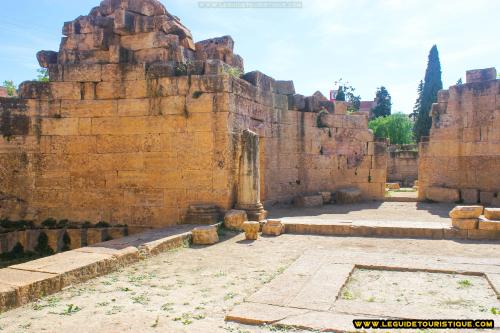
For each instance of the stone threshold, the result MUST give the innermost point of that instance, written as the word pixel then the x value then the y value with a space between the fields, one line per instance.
pixel 389 229
pixel 27 282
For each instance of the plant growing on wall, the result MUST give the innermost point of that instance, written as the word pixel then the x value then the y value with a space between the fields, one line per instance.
pixel 11 87
pixel 43 75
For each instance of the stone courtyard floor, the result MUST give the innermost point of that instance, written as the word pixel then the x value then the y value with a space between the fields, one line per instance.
pixel 375 212
pixel 193 289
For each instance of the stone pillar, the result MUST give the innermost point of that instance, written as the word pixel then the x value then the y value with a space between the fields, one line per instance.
pixel 248 195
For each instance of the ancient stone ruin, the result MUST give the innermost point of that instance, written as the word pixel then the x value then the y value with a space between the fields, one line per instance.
pixel 138 122
pixel 460 161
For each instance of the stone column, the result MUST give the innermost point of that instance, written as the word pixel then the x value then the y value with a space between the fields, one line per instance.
pixel 248 195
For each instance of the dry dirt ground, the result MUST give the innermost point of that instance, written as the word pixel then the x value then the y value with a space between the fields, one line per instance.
pixel 191 289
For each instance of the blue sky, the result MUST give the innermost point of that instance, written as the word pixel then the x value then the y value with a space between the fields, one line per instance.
pixel 367 42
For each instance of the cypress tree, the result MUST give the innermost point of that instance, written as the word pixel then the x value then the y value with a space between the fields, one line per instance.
pixel 384 103
pixel 432 84
pixel 340 94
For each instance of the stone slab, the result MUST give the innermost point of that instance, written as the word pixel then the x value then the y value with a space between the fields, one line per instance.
pixel 466 212
pixel 72 266
pixel 260 314
pixel 28 285
pixel 486 224
pixel 492 213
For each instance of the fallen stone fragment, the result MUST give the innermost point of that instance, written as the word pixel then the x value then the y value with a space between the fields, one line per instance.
pixel 466 212
pixel 465 224
pixel 349 195
pixel 273 228
pixel 234 219
pixel 251 229
pixel 206 235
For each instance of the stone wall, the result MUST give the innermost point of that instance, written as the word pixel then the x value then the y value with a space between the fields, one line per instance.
pixel 462 155
pixel 137 123
pixel 402 164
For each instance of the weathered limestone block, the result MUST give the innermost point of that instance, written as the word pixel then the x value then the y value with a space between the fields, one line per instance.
pixel 115 233
pixel 55 238
pixel 8 298
pixel 480 75
pixel 234 219
pixel 495 202
pixel 486 197
pixel 46 58
pixel 75 236
pixel 251 229
pixel 284 87
pixel 487 224
pixel 465 224
pixel 260 80
pixel 312 104
pixel 296 102
pixel 149 40
pixel 348 195
pixel 442 194
pixel 327 197
pixel 95 235
pixel 466 212
pixel 273 228
pixel 492 213
pixel 305 201
pixel 206 235
pixel 470 196
pixel 202 214
pixel 340 107
pixel 392 186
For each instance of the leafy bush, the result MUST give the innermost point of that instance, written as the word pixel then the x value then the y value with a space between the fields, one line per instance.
pixel 397 128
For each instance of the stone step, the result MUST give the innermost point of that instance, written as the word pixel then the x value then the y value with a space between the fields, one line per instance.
pixel 23 283
pixel 392 229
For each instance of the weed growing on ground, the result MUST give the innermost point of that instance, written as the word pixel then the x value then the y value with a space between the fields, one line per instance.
pixel 464 283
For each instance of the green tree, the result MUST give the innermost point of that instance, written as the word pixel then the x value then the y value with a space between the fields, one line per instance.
pixel 43 75
pixel 397 128
pixel 384 103
pixel 340 95
pixel 432 84
pixel 11 87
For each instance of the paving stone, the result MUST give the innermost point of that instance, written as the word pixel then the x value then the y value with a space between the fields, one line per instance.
pixel 72 266
pixel 323 287
pixel 28 285
pixel 260 314
pixel 323 321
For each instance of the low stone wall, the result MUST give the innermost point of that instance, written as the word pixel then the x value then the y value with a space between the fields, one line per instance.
pixel 402 164
pixel 56 240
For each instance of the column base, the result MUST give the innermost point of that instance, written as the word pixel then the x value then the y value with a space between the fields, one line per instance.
pixel 255 212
